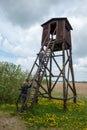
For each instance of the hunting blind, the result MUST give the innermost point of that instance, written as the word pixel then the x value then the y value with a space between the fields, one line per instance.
pixel 56 43
pixel 57 30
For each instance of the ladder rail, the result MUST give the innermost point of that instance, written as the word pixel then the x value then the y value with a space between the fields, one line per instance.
pixel 37 56
pixel 45 66
pixel 38 70
pixel 40 50
pixel 43 72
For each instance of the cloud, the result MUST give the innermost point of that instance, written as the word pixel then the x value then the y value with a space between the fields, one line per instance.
pixel 26 41
pixel 80 69
pixel 20 30
pixel 24 12
pixel 79 37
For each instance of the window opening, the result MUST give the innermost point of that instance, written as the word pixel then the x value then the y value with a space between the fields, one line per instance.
pixel 53 31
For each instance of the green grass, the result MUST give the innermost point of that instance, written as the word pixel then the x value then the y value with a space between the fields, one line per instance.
pixel 49 114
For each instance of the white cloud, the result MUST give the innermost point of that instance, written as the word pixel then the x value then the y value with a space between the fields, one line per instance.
pixel 26 63
pixel 83 63
pixel 20 31
pixel 21 42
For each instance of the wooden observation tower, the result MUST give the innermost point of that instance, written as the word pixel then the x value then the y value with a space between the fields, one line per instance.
pixel 57 64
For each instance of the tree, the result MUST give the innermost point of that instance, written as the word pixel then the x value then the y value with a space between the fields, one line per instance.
pixel 11 78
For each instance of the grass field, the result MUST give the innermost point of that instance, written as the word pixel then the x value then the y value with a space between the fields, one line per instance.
pixel 48 115
pixel 81 88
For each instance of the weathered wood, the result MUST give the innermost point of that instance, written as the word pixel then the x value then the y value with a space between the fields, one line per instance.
pixel 59 29
pixel 60 40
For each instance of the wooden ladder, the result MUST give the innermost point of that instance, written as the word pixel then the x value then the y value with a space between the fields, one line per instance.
pixel 40 72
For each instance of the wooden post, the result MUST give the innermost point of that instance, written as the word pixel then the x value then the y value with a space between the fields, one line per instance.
pixel 50 77
pixel 72 73
pixel 64 82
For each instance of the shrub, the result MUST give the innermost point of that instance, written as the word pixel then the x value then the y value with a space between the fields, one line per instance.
pixel 11 78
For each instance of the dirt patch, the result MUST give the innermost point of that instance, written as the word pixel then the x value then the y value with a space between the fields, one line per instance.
pixel 10 123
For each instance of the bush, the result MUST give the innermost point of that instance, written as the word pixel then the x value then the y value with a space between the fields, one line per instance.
pixel 11 78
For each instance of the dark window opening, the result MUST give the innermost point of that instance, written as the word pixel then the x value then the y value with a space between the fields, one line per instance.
pixel 53 31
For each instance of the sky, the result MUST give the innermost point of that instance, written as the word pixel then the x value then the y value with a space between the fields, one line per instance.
pixel 21 31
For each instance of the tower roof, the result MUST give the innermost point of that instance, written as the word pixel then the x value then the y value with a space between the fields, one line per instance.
pixel 58 19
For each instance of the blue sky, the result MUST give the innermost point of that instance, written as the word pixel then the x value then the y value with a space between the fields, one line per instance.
pixel 20 30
